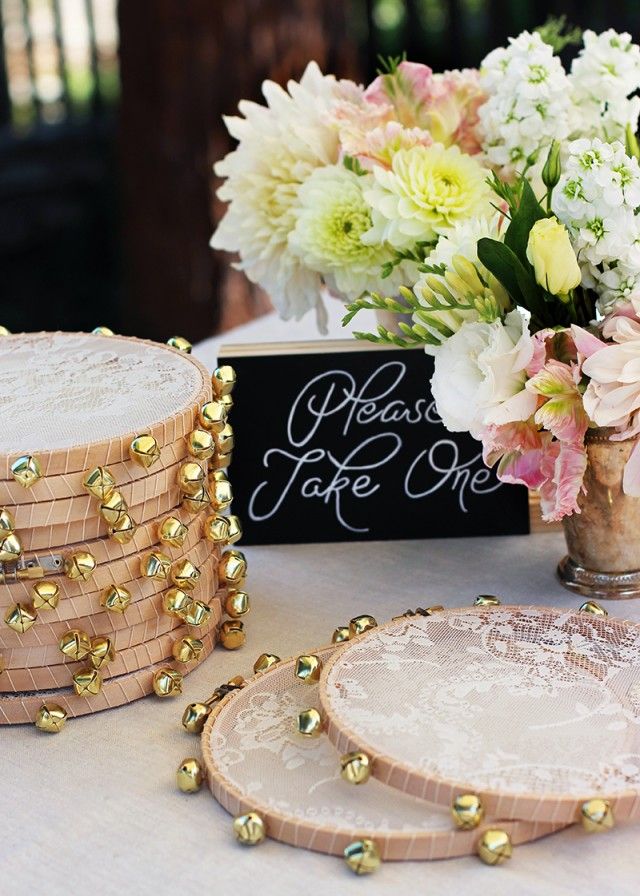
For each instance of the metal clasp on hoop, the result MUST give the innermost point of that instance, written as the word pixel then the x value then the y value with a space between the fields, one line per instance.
pixel 28 568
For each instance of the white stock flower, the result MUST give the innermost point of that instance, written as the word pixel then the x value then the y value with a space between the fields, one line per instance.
pixel 279 146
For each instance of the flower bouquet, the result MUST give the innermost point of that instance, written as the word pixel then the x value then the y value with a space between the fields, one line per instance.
pixel 499 208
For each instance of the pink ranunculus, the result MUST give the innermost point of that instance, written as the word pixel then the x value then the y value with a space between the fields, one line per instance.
pixel 564 466
pixel 454 109
pixel 408 90
pixel 562 412
pixel 613 393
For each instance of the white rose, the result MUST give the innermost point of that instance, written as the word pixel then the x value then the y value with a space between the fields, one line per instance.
pixel 479 375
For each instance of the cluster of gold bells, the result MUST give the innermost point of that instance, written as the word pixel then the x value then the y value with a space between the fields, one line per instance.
pixel 494 846
pixel 201 487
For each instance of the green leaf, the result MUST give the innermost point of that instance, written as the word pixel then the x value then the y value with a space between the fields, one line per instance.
pixel 529 211
pixel 506 267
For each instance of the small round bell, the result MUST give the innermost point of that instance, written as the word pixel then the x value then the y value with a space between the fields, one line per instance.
pixel 237 681
pixel 20 618
pixel 75 644
pixel 360 624
pixel 487 600
pixel 100 483
pixel 225 440
pixel 340 634
pixel 355 768
pixel 232 635
pixel 265 661
pixel 249 829
pixel 227 401
pixel 213 416
pixel 197 502
pixel 216 529
pixel 191 478
pixel 309 723
pixel 180 343
pixel 235 529
pixel 184 574
pixel 124 530
pixel 195 716
pixel 155 565
pixel 596 816
pixel 200 444
pixel 494 847
pixel 26 470
pixel 221 461
pixel 167 683
pixel 115 598
pixel 593 608
pixel 187 650
pixel 46 595
pixel 10 548
pixel 7 522
pixel 223 380
pixel 50 718
pixel 172 532
pixel 102 652
pixel 113 508
pixel 236 604
pixel 232 568
pixel 101 331
pixel 198 614
pixel 467 811
pixel 177 602
pixel 362 856
pixel 189 776
pixel 79 567
pixel 87 682
pixel 308 668
pixel 220 491
pixel 144 451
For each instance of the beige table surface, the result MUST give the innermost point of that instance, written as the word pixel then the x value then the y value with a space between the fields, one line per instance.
pixel 95 811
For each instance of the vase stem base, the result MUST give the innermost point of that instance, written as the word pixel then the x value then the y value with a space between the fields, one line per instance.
pixel 605 585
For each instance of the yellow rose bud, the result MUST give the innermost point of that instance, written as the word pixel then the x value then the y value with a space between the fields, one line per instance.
pixel 550 252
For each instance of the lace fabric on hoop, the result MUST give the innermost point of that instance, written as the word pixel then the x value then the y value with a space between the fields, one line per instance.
pixel 518 700
pixel 59 390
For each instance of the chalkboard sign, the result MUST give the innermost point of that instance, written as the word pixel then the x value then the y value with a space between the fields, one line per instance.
pixel 341 441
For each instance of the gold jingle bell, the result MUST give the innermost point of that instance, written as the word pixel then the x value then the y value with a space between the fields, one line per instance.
pixel 232 568
pixel 155 565
pixel 173 532
pixel 467 811
pixel 177 602
pixel 225 440
pixel 216 529
pixel 213 416
pixel 195 716
pixel 102 331
pixel 340 634
pixel 124 529
pixel 235 529
pixel 180 343
pixel 360 624
pixel 265 661
pixel 362 856
pixel 191 478
pixel 7 522
pixel 236 604
pixel 87 682
pixel 309 723
pixel 26 471
pixel 100 483
pixel 79 567
pixel 198 501
pixel 144 451
pixel 593 608
pixel 20 618
pixel 189 776
pixel 487 600
pixel 596 816
pixel 355 768
pixel 308 668
pixel 184 574
pixel 221 461
pixel 232 634
pixel 115 598
pixel 102 652
pixel 46 595
pixel 198 614
pixel 10 548
pixel 223 380
pixel 113 508
pixel 187 650
pixel 167 682
pixel 249 829
pixel 494 847
pixel 75 644
pixel 200 444
pixel 227 401
pixel 221 493
pixel 50 718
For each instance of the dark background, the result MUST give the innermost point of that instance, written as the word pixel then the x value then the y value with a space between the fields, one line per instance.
pixel 110 123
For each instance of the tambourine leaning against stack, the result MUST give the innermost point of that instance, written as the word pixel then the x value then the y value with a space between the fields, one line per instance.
pixel 115 558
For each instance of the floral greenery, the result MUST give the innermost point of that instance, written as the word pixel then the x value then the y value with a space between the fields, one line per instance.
pixel 558 34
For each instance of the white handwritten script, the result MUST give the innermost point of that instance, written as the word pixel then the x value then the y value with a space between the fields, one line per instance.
pixel 333 401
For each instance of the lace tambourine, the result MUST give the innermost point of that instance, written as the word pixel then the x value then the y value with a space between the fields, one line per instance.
pixel 257 761
pixel 534 710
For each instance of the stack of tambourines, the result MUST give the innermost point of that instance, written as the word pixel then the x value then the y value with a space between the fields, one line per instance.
pixel 115 559
pixel 445 732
